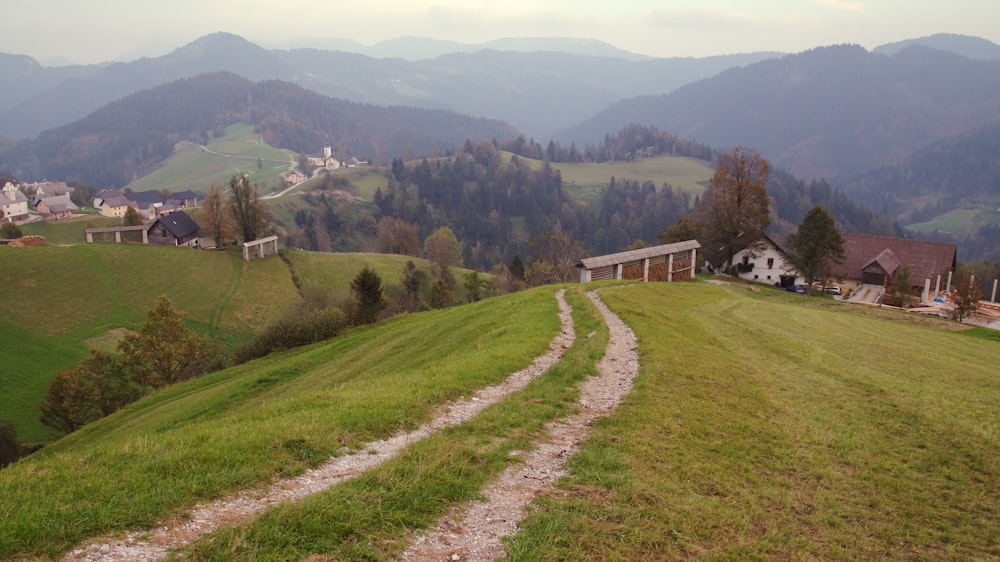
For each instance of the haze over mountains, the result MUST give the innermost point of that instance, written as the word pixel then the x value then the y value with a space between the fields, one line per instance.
pixel 837 112
pixel 538 92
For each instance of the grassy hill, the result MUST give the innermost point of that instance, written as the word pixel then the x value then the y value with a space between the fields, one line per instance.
pixel 238 150
pixel 76 297
pixel 762 425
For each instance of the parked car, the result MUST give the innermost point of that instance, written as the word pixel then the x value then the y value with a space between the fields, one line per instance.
pixel 833 290
pixel 796 289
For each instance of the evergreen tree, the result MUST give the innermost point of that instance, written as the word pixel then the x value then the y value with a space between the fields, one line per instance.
pixel 369 296
pixel 475 284
pixel 816 246
pixel 163 351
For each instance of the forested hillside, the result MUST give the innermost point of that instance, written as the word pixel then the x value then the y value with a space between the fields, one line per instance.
pixel 128 138
pixel 827 112
pixel 948 191
pixel 498 204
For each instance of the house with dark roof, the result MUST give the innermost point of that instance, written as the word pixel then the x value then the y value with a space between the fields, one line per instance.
pixel 176 229
pixel 186 199
pixel 878 260
pixel 147 203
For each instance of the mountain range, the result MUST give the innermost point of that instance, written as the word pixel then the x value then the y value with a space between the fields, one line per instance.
pixel 538 92
pixel 861 119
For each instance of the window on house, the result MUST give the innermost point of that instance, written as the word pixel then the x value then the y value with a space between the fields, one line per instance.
pixel 770 264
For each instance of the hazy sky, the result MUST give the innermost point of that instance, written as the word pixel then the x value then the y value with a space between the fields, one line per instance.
pixel 102 30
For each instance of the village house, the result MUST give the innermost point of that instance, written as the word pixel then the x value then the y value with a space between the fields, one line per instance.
pixel 767 263
pixel 327 160
pixel 878 260
pixel 47 189
pixel 668 262
pixel 176 229
pixel 56 207
pixel 111 203
pixel 13 203
pixel 148 203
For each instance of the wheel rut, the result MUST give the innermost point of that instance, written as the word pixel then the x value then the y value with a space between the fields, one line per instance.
pixel 157 543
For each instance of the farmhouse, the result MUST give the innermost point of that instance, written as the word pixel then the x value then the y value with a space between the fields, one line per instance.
pixel 878 260
pixel 177 229
pixel 669 262
pixel 767 263
pixel 13 203
pixel 48 189
pixel 56 207
pixel 148 203
pixel 111 203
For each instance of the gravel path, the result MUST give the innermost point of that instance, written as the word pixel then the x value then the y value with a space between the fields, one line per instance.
pixel 156 543
pixel 476 531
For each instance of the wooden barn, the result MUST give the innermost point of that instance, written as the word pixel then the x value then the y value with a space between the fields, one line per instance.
pixel 177 229
pixel 669 262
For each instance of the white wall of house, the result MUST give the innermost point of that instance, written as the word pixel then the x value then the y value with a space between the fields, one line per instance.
pixel 116 211
pixel 767 265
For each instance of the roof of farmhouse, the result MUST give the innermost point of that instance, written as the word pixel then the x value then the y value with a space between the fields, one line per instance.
pixel 641 253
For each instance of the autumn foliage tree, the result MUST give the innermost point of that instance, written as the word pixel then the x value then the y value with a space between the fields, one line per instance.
pixel 164 351
pixel 734 208
pixel 395 236
pixel 69 402
pixel 216 218
pixel 966 299
pixel 443 248
pixel 249 212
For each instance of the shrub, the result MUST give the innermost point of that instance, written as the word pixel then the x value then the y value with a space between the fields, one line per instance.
pixel 294 331
pixel 8 443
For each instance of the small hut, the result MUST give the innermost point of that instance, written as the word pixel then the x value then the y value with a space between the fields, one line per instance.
pixel 668 262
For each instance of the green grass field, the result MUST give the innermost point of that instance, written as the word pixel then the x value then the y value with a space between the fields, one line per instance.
pixel 769 427
pixel 225 431
pixel 761 426
pixel 68 295
pixel 69 231
pixel 237 151
pixel 585 181
pixel 959 223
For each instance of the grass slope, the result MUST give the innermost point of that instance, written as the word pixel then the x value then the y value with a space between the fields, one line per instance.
pixel 275 416
pixel 68 295
pixel 236 151
pixel 762 425
pixel 768 426
pixel 587 180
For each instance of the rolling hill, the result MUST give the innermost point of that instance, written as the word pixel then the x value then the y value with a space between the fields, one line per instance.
pixel 129 138
pixel 749 432
pixel 96 291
